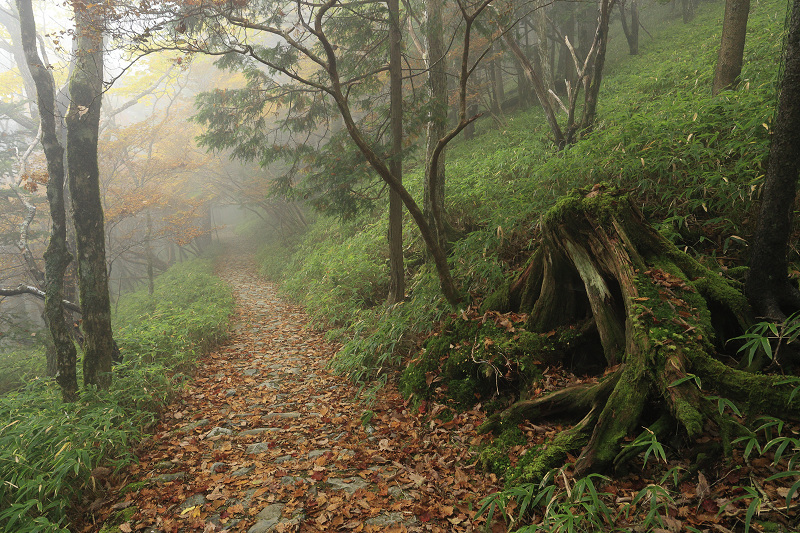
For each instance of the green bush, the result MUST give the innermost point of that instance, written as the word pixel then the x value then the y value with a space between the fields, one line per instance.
pixel 48 449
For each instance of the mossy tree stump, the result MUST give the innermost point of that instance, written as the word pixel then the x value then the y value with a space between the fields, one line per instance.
pixel 659 315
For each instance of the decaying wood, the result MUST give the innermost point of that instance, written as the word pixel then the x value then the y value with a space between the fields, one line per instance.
pixel 599 260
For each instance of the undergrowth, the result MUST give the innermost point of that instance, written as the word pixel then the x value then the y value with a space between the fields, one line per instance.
pixel 694 161
pixel 19 365
pixel 49 449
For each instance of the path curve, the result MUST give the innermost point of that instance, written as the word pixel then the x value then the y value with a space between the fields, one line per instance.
pixel 266 438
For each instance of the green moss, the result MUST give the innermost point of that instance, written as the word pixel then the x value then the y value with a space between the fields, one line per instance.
pixel 498 300
pixel 738 274
pixel 538 461
pixel 472 360
pixel 115 520
pixel 494 457
pixel 494 460
pixel 712 285
pixel 691 419
pixel 601 206
pixel 136 486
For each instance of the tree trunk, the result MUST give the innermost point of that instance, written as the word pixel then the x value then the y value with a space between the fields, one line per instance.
pixel 57 256
pixel 731 48
pixel 437 119
pixel 632 31
pixel 496 68
pixel 469 131
pixel 596 75
pixel 83 120
pixel 397 286
pixel 149 252
pixel 539 88
pixel 768 287
pixel 599 262
pixel 543 48
pixel 687 10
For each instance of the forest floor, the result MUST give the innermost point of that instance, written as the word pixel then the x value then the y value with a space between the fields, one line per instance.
pixel 265 438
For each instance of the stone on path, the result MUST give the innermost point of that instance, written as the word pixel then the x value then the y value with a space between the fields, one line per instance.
pixel 272 515
pixel 259 431
pixel 258 447
pixel 349 485
pixel 218 431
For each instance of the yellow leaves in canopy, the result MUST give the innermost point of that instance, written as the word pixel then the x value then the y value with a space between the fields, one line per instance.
pixel 11 85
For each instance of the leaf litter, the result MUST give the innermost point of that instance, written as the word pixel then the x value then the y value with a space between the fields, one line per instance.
pixel 265 438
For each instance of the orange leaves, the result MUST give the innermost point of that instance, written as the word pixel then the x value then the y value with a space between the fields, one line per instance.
pixel 667 280
pixel 315 465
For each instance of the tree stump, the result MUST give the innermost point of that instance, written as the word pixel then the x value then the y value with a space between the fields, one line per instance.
pixel 660 316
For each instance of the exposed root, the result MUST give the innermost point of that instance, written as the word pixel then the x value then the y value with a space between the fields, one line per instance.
pixel 651 304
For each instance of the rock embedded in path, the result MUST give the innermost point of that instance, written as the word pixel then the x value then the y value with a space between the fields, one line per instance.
pixel 218 467
pixel 268 518
pixel 166 478
pixel 313 454
pixel 258 447
pixel 243 471
pixel 387 519
pixel 192 501
pixel 259 431
pixel 350 485
pixel 194 425
pixel 218 431
pixel 290 414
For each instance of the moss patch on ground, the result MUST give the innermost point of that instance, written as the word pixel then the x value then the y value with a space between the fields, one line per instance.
pixel 471 361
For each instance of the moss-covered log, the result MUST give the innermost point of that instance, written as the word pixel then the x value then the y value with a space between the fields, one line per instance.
pixel 657 312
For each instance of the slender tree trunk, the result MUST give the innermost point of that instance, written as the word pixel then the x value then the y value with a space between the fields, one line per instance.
pixel 687 9
pixel 731 48
pixel 437 118
pixel 83 120
pixel 768 287
pixel 535 80
pixel 57 256
pixel 469 131
pixel 397 286
pixel 593 90
pixel 149 252
pixel 632 31
pixel 497 77
pixel 543 48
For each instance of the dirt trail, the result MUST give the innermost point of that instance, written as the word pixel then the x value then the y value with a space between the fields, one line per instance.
pixel 267 439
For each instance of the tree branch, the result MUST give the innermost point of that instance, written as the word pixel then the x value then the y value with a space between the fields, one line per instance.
pixel 29 289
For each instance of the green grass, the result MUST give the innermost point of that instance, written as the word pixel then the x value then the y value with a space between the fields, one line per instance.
pixel 48 449
pixel 695 162
pixel 20 365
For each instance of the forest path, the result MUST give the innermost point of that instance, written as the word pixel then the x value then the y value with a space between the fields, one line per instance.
pixel 266 438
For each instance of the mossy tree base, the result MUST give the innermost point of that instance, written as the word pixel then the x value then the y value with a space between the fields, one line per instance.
pixel 599 262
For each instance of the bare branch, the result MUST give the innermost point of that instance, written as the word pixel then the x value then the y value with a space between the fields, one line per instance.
pixel 29 289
